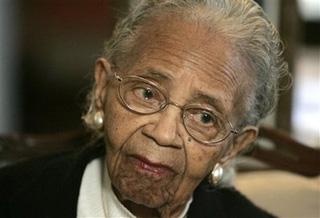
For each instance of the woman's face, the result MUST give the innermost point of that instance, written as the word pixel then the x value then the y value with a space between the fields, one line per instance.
pixel 151 159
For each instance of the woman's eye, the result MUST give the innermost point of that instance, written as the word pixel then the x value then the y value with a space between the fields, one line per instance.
pixel 147 93
pixel 201 117
pixel 206 118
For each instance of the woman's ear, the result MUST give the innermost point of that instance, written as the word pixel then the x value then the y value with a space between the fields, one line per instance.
pixel 102 73
pixel 240 142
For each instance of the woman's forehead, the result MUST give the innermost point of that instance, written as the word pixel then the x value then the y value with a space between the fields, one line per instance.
pixel 180 44
pixel 183 55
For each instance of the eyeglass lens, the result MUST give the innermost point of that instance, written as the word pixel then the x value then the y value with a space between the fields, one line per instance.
pixel 144 97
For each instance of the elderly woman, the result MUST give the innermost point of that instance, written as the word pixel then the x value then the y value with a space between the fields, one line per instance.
pixel 177 94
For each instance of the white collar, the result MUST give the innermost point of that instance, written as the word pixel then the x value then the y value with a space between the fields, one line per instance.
pixel 94 188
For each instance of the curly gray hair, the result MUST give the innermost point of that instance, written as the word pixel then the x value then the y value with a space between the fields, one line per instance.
pixel 242 21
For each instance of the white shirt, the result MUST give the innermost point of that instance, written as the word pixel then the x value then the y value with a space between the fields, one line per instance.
pixel 92 191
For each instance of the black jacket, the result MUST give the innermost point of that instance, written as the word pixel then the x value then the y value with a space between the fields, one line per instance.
pixel 49 187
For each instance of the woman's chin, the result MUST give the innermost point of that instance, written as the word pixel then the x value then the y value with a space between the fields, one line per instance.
pixel 147 201
pixel 150 194
pixel 150 186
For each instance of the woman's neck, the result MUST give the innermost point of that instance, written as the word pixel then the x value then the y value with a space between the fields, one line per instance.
pixel 140 210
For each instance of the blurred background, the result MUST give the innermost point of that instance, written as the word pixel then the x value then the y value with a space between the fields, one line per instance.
pixel 48 50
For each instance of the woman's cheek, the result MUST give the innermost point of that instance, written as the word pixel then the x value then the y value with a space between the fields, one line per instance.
pixel 200 160
pixel 120 124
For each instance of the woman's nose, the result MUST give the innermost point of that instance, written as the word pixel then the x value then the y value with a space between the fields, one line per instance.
pixel 164 129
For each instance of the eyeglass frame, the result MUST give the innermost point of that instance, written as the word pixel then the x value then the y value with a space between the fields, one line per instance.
pixel 169 102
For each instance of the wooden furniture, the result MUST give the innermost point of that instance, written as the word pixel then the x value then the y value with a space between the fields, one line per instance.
pixel 287 153
pixel 18 147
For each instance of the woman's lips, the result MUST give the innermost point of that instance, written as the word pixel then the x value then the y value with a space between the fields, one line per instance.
pixel 145 164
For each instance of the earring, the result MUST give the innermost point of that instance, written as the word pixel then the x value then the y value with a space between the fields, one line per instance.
pixel 98 119
pixel 216 175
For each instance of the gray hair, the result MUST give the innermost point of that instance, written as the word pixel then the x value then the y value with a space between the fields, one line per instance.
pixel 243 22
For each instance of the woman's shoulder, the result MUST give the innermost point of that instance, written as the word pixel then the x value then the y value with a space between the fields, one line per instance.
pixel 55 177
pixel 223 202
pixel 47 165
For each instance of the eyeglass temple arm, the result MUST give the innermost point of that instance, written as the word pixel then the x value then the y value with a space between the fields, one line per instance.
pixel 117 77
pixel 235 131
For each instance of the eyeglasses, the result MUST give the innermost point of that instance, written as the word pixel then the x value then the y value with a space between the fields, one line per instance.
pixel 144 97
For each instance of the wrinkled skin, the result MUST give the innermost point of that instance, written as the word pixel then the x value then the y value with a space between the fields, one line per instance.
pixel 187 60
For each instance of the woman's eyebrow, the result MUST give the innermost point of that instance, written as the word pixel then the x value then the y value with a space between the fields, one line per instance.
pixel 211 100
pixel 156 74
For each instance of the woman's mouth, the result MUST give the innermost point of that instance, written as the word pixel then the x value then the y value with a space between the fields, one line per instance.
pixel 145 165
